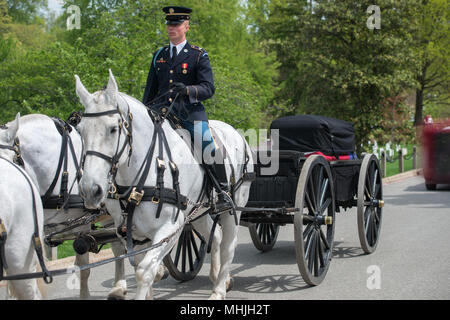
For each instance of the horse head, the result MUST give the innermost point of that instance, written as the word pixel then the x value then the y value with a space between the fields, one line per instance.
pixel 106 134
pixel 9 144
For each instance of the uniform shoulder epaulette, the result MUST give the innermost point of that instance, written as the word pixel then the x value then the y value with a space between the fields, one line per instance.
pixel 197 48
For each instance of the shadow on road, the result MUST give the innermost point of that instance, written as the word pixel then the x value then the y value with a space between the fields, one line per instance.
pixel 340 252
pixel 418 196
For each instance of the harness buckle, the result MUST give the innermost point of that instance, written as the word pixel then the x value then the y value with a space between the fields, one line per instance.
pixel 161 163
pixel 3 233
pixel 136 196
pixel 37 242
pixel 173 166
pixel 112 190
pixel 155 200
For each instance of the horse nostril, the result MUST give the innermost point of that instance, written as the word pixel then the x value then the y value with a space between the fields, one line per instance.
pixel 97 191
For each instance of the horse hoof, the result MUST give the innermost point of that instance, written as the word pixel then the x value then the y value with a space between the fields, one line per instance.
pixel 115 297
pixel 166 274
pixel 230 283
pixel 216 296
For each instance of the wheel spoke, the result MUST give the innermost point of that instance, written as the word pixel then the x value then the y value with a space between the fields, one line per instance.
pixel 367 215
pixel 259 227
pixel 179 245
pixel 374 182
pixel 366 192
pixel 323 191
pixel 325 206
pixel 316 256
pixel 312 252
pixel 368 185
pixel 320 251
pixel 313 198
pixel 307 231
pixel 308 202
pixel 324 240
pixel 183 256
pixel 377 191
pixel 374 231
pixel 194 246
pixel 273 232
pixel 189 240
pixel 265 233
pixel 319 177
pixel 308 243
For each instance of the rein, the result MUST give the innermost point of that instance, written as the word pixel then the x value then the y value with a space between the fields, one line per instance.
pixel 137 191
pixel 35 238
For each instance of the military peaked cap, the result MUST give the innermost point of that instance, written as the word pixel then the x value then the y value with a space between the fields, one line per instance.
pixel 176 15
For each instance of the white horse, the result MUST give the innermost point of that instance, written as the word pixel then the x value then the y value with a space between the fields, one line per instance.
pixel 106 133
pixel 40 147
pixel 17 219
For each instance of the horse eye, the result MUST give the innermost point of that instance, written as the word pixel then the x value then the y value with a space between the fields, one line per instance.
pixel 113 129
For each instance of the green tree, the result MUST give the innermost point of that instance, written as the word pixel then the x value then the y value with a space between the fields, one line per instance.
pixel 333 64
pixel 26 11
pixel 433 43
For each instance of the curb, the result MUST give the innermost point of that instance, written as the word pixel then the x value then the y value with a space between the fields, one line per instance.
pixel 402 176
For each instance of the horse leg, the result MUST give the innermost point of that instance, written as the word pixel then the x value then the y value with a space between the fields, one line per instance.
pixel 119 290
pixel 82 259
pixel 227 248
pixel 204 226
pixel 148 268
pixel 22 289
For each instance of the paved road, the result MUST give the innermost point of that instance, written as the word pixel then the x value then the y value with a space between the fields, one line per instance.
pixel 412 260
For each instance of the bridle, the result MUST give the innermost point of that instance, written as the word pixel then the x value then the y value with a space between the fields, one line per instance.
pixel 124 125
pixel 16 148
pixel 137 191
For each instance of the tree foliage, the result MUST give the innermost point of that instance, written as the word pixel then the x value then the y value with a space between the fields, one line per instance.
pixel 269 57
pixel 432 42
pixel 123 38
pixel 333 64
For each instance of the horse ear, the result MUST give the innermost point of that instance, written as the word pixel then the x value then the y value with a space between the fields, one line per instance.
pixel 82 92
pixel 112 88
pixel 13 127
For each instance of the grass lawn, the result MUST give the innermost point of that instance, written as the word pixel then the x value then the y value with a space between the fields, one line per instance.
pixel 393 168
pixel 66 249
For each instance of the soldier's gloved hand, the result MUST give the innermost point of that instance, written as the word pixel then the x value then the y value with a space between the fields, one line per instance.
pixel 180 88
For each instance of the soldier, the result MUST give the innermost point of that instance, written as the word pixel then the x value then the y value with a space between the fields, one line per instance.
pixel 184 69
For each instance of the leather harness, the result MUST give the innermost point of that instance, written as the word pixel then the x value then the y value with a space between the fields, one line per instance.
pixel 35 238
pixel 131 196
pixel 64 199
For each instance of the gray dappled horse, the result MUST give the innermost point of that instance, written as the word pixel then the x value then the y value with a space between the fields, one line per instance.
pixel 112 124
pixel 20 206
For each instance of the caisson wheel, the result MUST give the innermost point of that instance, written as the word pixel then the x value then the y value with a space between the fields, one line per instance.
pixel 314 222
pixel 264 235
pixel 186 258
pixel 370 203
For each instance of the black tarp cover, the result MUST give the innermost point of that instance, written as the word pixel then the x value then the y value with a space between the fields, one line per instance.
pixel 310 133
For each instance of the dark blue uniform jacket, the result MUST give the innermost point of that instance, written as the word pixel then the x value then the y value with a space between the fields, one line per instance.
pixel 191 67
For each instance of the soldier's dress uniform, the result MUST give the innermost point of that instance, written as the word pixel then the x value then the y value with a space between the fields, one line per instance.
pixel 190 67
